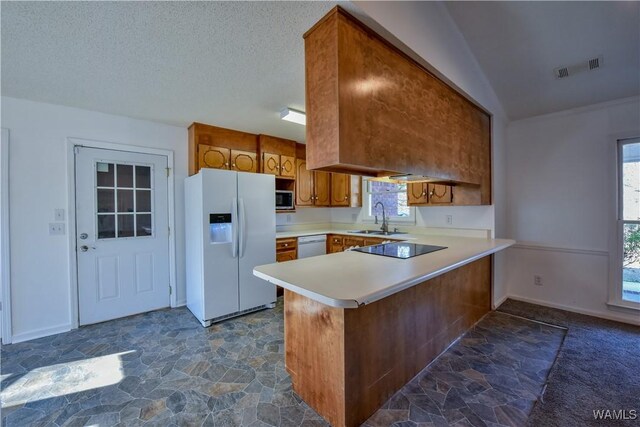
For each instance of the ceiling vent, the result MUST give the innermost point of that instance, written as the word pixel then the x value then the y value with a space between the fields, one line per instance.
pixel 588 65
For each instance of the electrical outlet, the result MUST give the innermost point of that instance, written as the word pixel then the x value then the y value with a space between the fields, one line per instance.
pixel 59 214
pixel 449 219
pixel 56 228
pixel 537 280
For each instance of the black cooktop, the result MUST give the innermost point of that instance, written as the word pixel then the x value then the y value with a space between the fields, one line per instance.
pixel 402 250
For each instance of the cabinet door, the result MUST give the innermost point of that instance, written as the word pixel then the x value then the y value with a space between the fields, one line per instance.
pixel 304 184
pixel 340 189
pixel 371 242
pixel 335 248
pixel 271 163
pixel 288 166
pixel 353 241
pixel 440 193
pixel 213 157
pixel 322 187
pixel 417 193
pixel 286 256
pixel 244 161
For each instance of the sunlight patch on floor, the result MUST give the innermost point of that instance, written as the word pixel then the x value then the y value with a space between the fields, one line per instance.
pixel 64 378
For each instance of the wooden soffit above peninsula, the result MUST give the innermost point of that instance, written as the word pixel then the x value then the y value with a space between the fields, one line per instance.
pixel 372 110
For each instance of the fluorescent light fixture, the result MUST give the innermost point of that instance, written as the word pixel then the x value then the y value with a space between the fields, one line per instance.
pixel 293 116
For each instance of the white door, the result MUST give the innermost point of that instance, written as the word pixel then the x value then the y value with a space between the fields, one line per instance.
pixel 122 233
pixel 257 232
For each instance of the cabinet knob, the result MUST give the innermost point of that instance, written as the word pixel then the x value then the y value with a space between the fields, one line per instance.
pixel 226 164
pixel 346 197
pixel 233 165
pixel 286 244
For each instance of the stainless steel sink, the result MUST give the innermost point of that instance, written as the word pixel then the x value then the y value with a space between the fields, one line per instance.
pixel 365 231
pixel 377 232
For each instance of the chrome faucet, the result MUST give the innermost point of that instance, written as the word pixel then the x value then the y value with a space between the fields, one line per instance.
pixel 385 222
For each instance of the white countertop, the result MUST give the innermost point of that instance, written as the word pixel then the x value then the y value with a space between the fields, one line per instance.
pixel 350 279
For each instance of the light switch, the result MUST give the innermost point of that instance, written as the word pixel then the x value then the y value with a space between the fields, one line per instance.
pixel 56 228
pixel 59 214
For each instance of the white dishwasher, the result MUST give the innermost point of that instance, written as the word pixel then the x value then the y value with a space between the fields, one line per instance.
pixel 312 245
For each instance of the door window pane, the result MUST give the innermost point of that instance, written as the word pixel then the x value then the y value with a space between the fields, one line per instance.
pixel 143 201
pixel 106 201
pixel 104 174
pixel 129 196
pixel 125 201
pixel 143 225
pixel 143 177
pixel 106 226
pixel 125 226
pixel 125 176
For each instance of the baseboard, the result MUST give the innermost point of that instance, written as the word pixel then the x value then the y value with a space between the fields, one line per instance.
pixel 498 303
pixel 40 333
pixel 592 313
pixel 180 303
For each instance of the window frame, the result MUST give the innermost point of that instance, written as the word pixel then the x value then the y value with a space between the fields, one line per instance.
pixel 366 206
pixel 617 252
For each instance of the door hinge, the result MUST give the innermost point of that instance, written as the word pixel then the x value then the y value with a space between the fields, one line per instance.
pixel 168 171
pixel 169 230
pixel 170 290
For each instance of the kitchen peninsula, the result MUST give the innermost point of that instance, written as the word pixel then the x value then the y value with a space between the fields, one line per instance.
pixel 359 326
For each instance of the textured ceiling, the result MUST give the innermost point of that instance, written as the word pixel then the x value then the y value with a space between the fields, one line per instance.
pixel 518 44
pixel 232 64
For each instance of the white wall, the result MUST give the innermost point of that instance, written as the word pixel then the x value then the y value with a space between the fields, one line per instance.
pixel 305 216
pixel 40 281
pixel 561 198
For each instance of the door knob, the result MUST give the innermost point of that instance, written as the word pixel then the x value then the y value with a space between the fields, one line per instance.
pixel 85 248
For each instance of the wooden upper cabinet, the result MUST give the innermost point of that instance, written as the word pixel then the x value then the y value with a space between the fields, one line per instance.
pixel 417 193
pixel 423 193
pixel 243 161
pixel 440 193
pixel 373 110
pixel 287 166
pixel 271 163
pixel 278 156
pixel 340 189
pixel 322 187
pixel 215 147
pixel 213 157
pixel 304 184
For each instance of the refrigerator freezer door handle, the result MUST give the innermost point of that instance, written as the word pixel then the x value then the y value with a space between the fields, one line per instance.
pixel 242 228
pixel 234 227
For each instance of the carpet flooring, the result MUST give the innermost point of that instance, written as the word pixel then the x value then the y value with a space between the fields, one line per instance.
pixel 597 368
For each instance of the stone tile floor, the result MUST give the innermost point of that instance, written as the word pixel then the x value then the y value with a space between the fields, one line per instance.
pixel 163 368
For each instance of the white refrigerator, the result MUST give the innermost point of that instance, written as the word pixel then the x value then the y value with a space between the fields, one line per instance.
pixel 230 228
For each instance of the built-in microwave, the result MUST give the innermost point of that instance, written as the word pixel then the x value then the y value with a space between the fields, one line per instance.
pixel 284 200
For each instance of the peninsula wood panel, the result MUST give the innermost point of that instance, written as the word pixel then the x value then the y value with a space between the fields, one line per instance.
pixel 345 363
pixel 371 109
